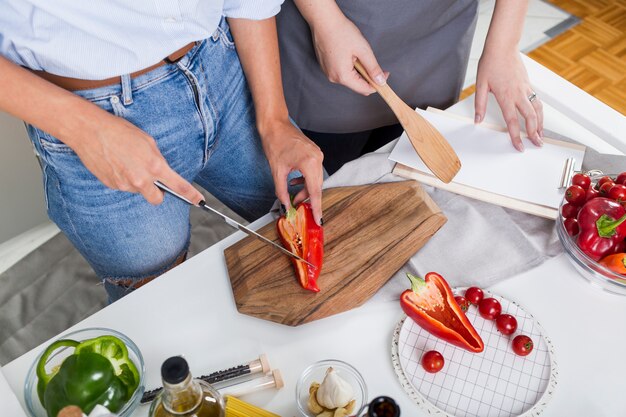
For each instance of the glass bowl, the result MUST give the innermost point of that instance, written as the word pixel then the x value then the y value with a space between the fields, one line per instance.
pixel 34 406
pixel 591 270
pixel 316 373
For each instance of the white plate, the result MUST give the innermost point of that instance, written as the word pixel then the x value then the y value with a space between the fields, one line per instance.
pixel 493 383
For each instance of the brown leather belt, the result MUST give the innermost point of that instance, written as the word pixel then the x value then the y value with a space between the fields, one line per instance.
pixel 75 84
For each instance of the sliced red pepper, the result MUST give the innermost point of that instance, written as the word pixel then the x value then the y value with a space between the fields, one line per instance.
pixel 301 235
pixel 431 304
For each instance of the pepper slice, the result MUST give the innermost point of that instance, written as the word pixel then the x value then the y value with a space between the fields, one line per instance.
pixel 43 376
pixel 116 352
pixel 301 235
pixel 616 263
pixel 431 304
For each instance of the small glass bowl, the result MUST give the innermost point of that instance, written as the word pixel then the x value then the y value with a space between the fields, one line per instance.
pixel 33 405
pixel 316 373
pixel 591 270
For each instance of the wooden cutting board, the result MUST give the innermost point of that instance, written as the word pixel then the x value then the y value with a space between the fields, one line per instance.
pixel 370 231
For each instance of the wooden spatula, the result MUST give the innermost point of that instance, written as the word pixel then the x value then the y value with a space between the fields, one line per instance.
pixel 429 144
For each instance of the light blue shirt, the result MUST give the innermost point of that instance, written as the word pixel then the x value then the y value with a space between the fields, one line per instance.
pixel 97 39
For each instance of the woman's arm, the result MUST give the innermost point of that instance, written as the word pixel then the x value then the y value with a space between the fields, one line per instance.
pixel 286 147
pixel 502 72
pixel 338 43
pixel 119 154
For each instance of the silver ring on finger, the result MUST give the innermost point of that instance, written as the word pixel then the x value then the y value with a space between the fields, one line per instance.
pixel 532 97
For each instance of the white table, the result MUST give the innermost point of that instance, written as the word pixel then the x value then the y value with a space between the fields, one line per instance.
pixel 191 311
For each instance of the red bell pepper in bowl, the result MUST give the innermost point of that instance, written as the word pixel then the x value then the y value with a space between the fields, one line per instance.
pixel 602 228
pixel 430 303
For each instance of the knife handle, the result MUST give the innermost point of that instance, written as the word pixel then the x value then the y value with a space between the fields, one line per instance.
pixel 168 190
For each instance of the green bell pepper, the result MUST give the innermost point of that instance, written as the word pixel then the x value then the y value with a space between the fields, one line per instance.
pixel 98 372
pixel 84 380
pixel 43 376
pixel 116 352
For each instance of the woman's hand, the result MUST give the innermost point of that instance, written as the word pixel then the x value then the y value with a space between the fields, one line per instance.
pixel 124 157
pixel 119 154
pixel 338 44
pixel 288 149
pixel 504 75
pixel 501 72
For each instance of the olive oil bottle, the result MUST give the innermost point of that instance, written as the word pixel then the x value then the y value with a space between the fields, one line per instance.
pixel 183 396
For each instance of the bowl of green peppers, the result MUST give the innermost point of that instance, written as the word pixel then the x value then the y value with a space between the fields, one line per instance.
pixel 85 368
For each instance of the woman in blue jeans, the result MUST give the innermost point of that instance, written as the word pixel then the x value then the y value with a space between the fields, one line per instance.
pixel 118 95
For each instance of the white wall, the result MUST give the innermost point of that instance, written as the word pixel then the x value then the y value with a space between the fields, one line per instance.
pixel 22 204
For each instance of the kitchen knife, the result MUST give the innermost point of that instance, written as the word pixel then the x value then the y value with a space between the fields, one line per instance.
pixel 231 222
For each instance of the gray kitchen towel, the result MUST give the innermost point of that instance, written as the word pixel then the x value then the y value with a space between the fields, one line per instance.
pixel 480 244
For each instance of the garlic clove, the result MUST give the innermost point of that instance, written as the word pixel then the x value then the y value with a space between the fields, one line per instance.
pixel 350 406
pixel 340 412
pixel 313 405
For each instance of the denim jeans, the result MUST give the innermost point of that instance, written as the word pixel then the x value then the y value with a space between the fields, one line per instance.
pixel 200 112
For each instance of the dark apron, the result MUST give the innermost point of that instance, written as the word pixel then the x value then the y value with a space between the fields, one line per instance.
pixel 424 44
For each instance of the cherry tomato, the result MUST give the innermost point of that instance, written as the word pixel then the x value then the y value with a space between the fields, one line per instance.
pixel 506 324
pixel 571 226
pixel 582 180
pixel 621 179
pixel 575 195
pixel 605 188
pixel 569 211
pixel 522 345
pixel 489 308
pixel 592 193
pixel 618 193
pixel 474 295
pixel 462 302
pixel 432 361
pixel 604 179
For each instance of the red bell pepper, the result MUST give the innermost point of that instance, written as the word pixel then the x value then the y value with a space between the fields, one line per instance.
pixel 602 228
pixel 301 235
pixel 431 304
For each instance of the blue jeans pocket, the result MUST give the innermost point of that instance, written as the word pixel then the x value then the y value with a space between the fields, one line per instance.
pixel 226 38
pixel 48 142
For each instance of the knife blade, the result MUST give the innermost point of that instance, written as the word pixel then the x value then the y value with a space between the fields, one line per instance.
pixel 232 222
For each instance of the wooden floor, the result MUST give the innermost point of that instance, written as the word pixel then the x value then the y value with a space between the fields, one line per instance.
pixel 592 54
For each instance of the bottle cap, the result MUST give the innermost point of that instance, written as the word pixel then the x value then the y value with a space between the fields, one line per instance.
pixel 174 370
pixel 383 407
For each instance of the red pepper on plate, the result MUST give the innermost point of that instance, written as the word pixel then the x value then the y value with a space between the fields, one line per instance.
pixel 602 228
pixel 301 235
pixel 431 304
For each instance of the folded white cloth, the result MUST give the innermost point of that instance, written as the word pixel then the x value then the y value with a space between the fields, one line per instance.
pixel 480 244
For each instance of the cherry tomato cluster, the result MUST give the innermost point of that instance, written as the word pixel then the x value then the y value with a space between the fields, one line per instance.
pixel 491 309
pixel 583 190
